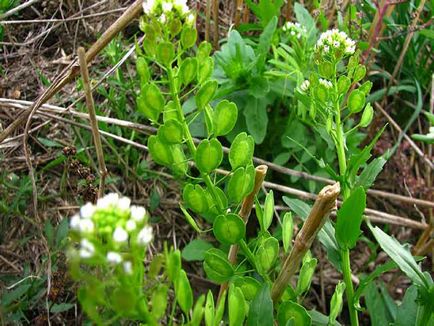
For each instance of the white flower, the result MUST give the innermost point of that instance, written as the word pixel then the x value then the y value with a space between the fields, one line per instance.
pixel 145 235
pixel 128 267
pixel 326 48
pixel 181 5
pixel 120 235
pixel 190 19
pixel 124 203
pixel 87 249
pixel 162 19
pixel 131 225
pixel 87 210
pixel 107 201
pixel 75 222
pixel 336 44
pixel 86 226
pixel 167 6
pixel 138 213
pixel 336 40
pixel 325 83
pixel 148 6
pixel 114 257
pixel 305 85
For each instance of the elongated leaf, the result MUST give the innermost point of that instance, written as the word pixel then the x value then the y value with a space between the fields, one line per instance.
pixel 370 172
pixel 400 255
pixel 256 116
pixel 265 40
pixel 261 308
pixel 349 219
pixel 407 310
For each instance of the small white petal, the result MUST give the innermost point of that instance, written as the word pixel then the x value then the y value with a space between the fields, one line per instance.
pixel 114 257
pixel 87 210
pixel 128 267
pixel 86 226
pixel 167 6
pixel 108 201
pixel 87 249
pixel 74 223
pixel 131 225
pixel 124 203
pixel 120 235
pixel 138 213
pixel 145 235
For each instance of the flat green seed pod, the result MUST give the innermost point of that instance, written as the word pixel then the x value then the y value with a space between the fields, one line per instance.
pixel 180 163
pixel 209 155
pixel 188 36
pixel 171 131
pixel 206 94
pixel 160 151
pixel 356 101
pixel 165 53
pixel 217 266
pixel 293 311
pixel 241 183
pixel 267 253
pixel 206 68
pixel 194 197
pixel 187 71
pixel 144 108
pixel 224 117
pixel 229 228
pixel 241 151
pixel 152 94
pixel 368 114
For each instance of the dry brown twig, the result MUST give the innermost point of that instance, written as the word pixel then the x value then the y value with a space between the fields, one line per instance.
pixel 324 204
pixel 93 121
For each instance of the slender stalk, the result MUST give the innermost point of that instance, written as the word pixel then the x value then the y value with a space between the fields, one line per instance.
pixel 345 253
pixel 93 121
pixel 324 204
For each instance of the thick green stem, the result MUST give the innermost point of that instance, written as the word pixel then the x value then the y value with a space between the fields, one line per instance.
pixel 190 143
pixel 349 290
pixel 345 253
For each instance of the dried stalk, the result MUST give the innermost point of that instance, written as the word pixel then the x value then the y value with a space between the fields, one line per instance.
pixel 70 72
pixel 238 12
pixel 215 17
pixel 244 213
pixel 93 121
pixel 207 20
pixel 322 208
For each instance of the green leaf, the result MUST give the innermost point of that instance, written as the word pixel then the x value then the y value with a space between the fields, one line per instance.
pixel 224 117
pixel 305 19
pixel 261 308
pixel 229 228
pixel 61 307
pixel 159 301
pixel 248 285
pixel 265 40
pixel 183 292
pixel 198 311
pixel 190 219
pixel 370 173
pixel 407 310
pixel 287 231
pixel 336 302
pixel 268 211
pixel 173 265
pixel 376 306
pixel 349 219
pixel 209 309
pixel 209 155
pixel 217 266
pixel 256 116
pixel 291 311
pixel 195 250
pixel 206 94
pixel 241 183
pixel 15 294
pixel 400 255
pixel 236 305
pixel 241 151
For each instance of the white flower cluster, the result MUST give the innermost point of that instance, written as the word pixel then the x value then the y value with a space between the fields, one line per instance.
pixel 294 29
pixel 334 40
pixel 326 83
pixel 305 85
pixel 164 8
pixel 113 217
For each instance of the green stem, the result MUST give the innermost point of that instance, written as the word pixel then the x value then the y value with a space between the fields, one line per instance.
pixel 190 143
pixel 345 253
pixel 349 290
